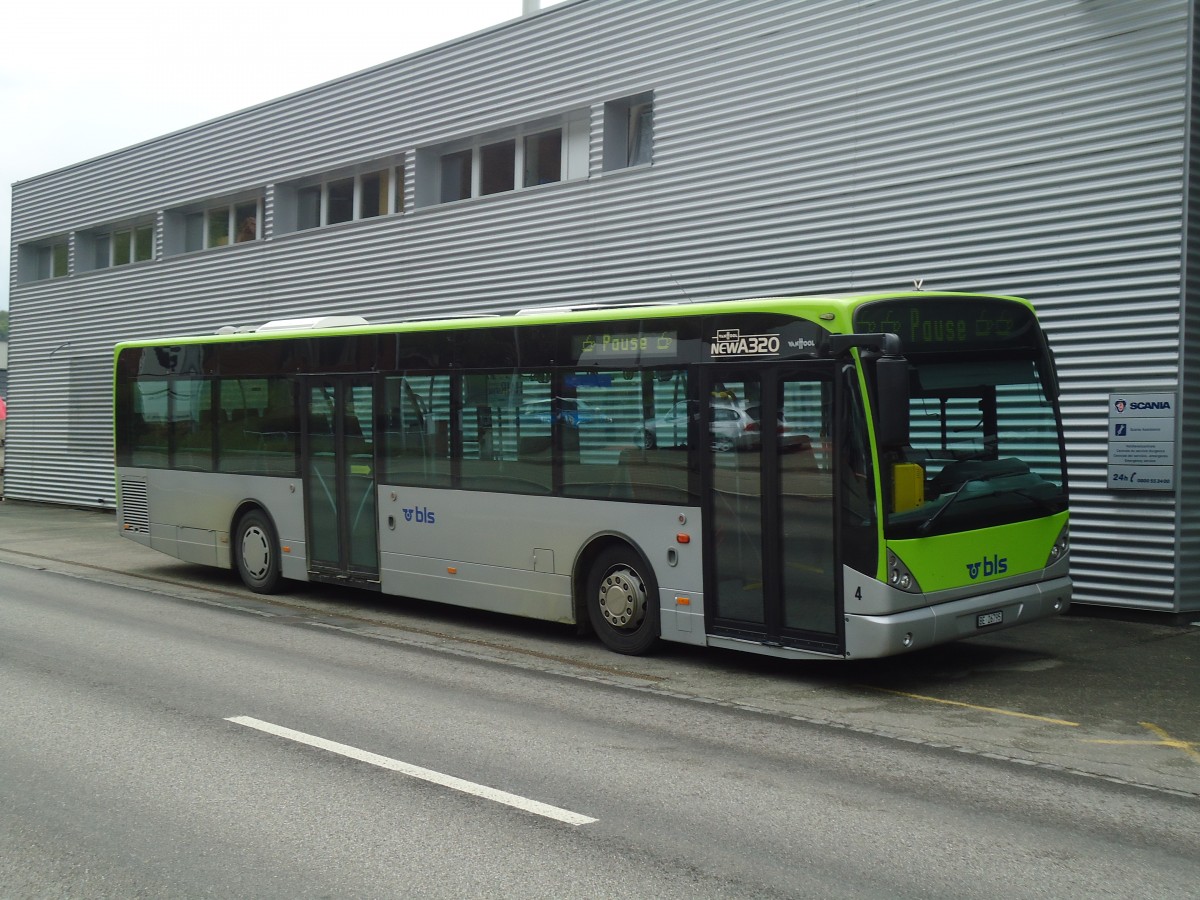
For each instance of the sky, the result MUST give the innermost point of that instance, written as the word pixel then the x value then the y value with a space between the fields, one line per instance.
pixel 79 79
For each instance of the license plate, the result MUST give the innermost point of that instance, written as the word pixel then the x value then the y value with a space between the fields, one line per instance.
pixel 983 620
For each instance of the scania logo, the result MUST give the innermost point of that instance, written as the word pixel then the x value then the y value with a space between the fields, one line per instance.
pixel 1121 405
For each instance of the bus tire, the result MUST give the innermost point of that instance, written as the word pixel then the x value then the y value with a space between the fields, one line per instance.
pixel 256 552
pixel 622 600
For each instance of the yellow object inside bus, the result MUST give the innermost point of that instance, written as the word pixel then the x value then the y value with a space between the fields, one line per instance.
pixel 908 487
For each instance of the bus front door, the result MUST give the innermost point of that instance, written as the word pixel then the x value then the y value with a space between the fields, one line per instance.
pixel 772 565
pixel 339 479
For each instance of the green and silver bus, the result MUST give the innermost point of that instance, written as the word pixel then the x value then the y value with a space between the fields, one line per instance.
pixel 801 477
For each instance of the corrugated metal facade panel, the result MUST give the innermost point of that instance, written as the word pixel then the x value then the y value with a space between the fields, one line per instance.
pixel 1027 146
pixel 1188 464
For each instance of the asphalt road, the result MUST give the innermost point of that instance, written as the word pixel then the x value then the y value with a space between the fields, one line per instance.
pixel 159 746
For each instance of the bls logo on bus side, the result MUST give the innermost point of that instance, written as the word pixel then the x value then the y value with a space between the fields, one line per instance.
pixel 420 514
pixel 997 565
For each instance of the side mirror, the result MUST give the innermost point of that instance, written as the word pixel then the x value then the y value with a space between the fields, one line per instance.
pixel 891 383
pixel 891 400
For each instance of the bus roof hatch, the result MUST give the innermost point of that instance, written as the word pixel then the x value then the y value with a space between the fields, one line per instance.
pixel 312 323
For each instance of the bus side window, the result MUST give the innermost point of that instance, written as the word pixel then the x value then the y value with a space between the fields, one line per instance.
pixel 619 418
pixel 149 439
pixel 191 424
pixel 506 427
pixel 416 427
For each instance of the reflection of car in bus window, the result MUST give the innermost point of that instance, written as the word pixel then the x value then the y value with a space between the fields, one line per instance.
pixel 570 411
pixel 732 426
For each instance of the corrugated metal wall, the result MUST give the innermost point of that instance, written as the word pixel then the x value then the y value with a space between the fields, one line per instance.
pixel 1027 146
pixel 1188 513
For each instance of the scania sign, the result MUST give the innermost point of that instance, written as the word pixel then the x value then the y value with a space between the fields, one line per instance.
pixel 1142 441
pixel 1122 405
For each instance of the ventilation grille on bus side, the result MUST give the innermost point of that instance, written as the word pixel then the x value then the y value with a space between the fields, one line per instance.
pixel 135 509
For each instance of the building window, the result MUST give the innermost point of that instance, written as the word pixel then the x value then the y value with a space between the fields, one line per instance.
pixel 102 251
pixel 115 245
pixel 40 260
pixel 496 162
pixel 52 260
pixel 628 132
pixel 456 176
pixel 217 224
pixel 336 200
pixel 122 248
pixel 526 156
pixel 543 158
pixel 245 221
pixel 375 193
pixel 143 243
pixel 217 228
pixel 194 228
pixel 340 201
pixel 308 206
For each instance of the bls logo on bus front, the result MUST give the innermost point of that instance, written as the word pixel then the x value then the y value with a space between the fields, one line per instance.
pixel 997 565
pixel 420 514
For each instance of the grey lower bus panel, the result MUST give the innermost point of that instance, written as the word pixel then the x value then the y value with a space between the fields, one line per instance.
pixel 189 515
pixel 940 623
pixel 518 592
pixel 511 553
pixel 682 614
pixel 518 553
pixel 870 636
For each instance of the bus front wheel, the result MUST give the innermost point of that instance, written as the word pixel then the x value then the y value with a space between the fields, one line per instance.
pixel 622 601
pixel 256 552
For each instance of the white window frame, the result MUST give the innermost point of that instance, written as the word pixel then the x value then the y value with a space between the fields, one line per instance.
pixel 572 128
pixel 36 257
pixel 87 245
pixel 395 193
pixel 183 220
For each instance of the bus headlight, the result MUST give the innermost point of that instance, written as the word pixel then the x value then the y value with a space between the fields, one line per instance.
pixel 899 576
pixel 1061 546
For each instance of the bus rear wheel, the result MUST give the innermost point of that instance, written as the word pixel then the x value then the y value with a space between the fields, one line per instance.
pixel 622 601
pixel 256 552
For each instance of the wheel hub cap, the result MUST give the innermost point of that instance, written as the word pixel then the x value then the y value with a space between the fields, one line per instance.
pixel 255 554
pixel 623 599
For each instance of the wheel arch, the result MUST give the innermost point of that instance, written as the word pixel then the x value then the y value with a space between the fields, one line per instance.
pixel 585 559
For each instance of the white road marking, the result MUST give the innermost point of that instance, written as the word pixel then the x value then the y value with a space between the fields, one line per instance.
pixel 395 765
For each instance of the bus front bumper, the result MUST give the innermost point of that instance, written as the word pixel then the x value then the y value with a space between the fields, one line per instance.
pixel 927 626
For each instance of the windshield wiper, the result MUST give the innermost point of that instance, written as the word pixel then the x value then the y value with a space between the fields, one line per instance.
pixel 929 522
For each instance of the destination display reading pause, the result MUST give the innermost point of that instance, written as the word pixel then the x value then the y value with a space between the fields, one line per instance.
pixel 941 324
pixel 612 345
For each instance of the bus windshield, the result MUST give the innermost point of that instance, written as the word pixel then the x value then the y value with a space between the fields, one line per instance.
pixel 986 438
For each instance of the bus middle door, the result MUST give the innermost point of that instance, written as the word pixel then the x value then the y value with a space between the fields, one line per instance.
pixel 773 567
pixel 339 479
